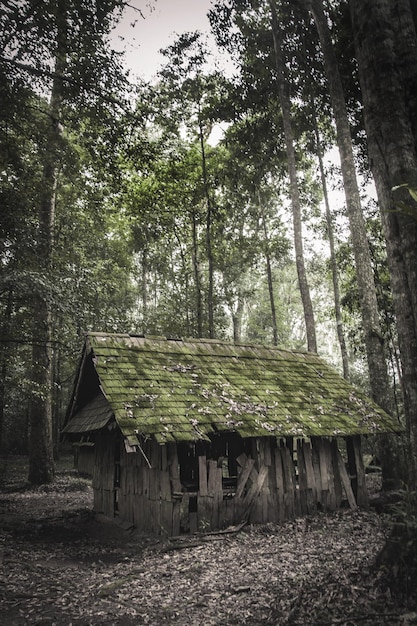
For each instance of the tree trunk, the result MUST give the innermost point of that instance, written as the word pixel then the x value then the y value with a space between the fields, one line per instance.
pixel 406 52
pixel 4 357
pixel 237 320
pixel 374 341
pixel 294 192
pixel 391 145
pixel 197 278
pixel 144 289
pixel 367 292
pixel 210 296
pixel 185 271
pixel 41 462
pixel 333 261
pixel 269 276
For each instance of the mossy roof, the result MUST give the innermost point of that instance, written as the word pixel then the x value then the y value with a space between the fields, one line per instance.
pixel 188 389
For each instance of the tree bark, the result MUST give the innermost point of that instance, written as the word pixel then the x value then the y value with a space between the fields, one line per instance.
pixel 269 276
pixel 406 53
pixel 294 191
pixel 391 145
pixel 41 461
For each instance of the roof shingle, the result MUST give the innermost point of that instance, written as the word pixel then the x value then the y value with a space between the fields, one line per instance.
pixel 186 390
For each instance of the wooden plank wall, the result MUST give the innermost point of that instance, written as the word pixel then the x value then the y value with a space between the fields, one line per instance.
pixel 149 484
pixel 84 459
pixel 103 473
pixel 277 479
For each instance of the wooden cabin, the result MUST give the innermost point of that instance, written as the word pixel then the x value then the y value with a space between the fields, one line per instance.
pixel 197 435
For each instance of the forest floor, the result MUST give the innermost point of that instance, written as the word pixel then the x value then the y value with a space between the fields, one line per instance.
pixel 61 564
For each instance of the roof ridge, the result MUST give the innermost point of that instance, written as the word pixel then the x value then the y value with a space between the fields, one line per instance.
pixel 201 340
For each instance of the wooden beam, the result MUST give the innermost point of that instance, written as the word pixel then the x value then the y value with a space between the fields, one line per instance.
pixel 346 481
pixel 247 467
pixel 254 492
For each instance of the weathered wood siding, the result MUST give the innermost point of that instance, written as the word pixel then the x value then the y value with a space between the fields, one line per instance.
pixel 104 473
pixel 84 459
pixel 277 479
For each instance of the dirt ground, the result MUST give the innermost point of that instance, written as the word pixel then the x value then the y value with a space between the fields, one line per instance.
pixel 61 564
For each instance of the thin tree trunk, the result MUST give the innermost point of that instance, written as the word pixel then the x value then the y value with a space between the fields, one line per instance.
pixel 197 278
pixel 333 261
pixel 184 264
pixel 294 191
pixel 41 462
pixel 391 145
pixel 145 289
pixel 237 320
pixel 209 249
pixel 269 276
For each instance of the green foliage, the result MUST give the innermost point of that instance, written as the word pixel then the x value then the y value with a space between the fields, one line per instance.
pixel 88 278
pixel 136 243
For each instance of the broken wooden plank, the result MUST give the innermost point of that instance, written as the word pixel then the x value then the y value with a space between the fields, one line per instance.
pixel 166 494
pixel 302 478
pixel 205 512
pixel 347 485
pixel 202 475
pixel 174 473
pixel 253 492
pixel 289 484
pixel 362 492
pixel 310 476
pixel 176 517
pixel 336 473
pixel 247 466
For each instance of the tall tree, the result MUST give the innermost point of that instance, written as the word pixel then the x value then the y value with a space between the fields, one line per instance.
pixel 374 341
pixel 385 78
pixel 49 48
pixel 292 171
pixel 332 248
pixel 41 465
pixel 369 305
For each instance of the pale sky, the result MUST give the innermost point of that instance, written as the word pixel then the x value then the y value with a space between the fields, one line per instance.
pixel 162 20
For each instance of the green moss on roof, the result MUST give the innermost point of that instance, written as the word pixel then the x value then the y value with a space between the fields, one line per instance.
pixel 186 390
